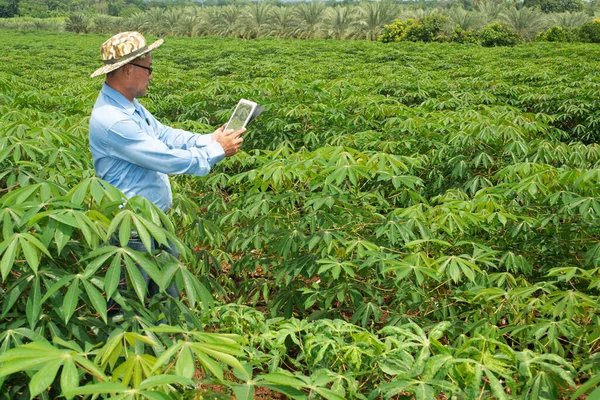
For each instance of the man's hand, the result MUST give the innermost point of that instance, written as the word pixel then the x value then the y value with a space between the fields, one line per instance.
pixel 230 141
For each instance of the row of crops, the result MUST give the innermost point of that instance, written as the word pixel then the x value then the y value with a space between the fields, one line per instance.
pixel 405 220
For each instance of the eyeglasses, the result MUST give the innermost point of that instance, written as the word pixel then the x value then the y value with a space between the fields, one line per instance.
pixel 149 69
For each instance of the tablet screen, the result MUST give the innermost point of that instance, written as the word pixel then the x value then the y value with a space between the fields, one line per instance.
pixel 240 116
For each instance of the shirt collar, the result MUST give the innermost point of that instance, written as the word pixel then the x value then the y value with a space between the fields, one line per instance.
pixel 116 96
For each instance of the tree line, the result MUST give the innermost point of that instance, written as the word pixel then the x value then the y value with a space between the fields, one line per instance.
pixel 126 8
pixel 365 20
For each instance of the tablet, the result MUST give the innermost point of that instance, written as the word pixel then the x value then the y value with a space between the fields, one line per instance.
pixel 241 115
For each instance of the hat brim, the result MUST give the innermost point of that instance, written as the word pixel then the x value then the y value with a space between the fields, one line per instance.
pixel 111 67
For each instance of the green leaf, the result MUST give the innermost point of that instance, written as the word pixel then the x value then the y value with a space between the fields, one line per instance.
pixel 97 191
pixel 159 380
pixel 149 266
pixel 98 301
pixel 143 234
pixel 291 392
pixel 99 258
pixel 595 395
pixel 125 232
pixel 245 373
pixel 156 231
pixel 42 379
pixel 188 283
pixel 185 363
pixel 115 224
pixel 31 254
pixel 79 193
pixel 69 377
pixel 85 226
pixel 155 395
pixel 65 219
pixel 588 385
pixel 71 299
pixel 166 328
pixel 8 258
pixel 243 392
pixel 281 378
pixel 14 365
pixel 62 235
pixel 11 298
pixel 166 355
pixel 98 388
pixel 209 364
pixel 496 386
pixel 205 296
pixel 57 285
pixel 89 366
pixel 221 353
pixel 113 275
pixel 328 394
pixel 33 308
pixel 136 278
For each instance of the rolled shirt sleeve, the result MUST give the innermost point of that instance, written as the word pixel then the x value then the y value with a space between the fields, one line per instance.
pixel 134 152
pixel 180 155
pixel 176 138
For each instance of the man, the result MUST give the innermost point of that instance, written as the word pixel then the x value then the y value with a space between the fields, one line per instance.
pixel 131 149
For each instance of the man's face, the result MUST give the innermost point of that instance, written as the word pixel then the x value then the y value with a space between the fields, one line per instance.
pixel 141 76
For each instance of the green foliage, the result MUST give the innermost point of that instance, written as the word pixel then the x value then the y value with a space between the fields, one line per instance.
pixel 9 8
pixel 570 20
pixel 467 20
pixel 498 34
pixel 460 35
pixel 103 23
pixel 525 21
pixel 404 220
pixel 557 34
pixel 555 6
pixel 362 20
pixel 78 23
pixel 590 32
pixel 426 29
pixel 396 31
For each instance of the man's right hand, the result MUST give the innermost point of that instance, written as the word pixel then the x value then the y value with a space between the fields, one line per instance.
pixel 231 141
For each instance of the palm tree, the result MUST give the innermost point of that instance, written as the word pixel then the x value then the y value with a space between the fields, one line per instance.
pixel 490 9
pixel 103 23
pixel 465 19
pixel 373 16
pixel 154 22
pixel 135 22
pixel 284 21
pixel 173 18
pixel 339 21
pixel 255 20
pixel 226 21
pixel 189 23
pixel 570 19
pixel 414 13
pixel 310 16
pixel 78 22
pixel 526 21
pixel 209 17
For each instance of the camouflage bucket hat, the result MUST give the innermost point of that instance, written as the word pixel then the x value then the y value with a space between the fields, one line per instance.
pixel 121 49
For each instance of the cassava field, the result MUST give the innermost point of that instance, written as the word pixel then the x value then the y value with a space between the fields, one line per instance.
pixel 404 221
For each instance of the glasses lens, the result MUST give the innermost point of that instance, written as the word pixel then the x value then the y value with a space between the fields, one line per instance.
pixel 149 69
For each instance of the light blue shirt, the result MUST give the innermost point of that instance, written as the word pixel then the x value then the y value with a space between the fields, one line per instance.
pixel 136 153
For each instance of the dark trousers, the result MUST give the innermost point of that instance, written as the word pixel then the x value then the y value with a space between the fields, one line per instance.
pixel 136 244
